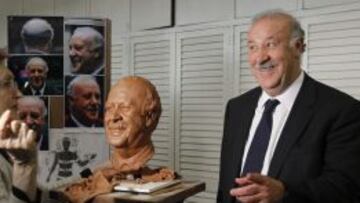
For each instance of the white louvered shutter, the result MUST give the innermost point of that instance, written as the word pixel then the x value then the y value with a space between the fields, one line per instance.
pixel 118 61
pixel 200 88
pixel 334 53
pixel 151 59
pixel 244 80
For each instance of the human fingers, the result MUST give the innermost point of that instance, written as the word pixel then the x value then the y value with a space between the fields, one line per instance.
pixel 257 198
pixel 244 191
pixel 4 122
pixel 5 118
pixel 243 181
pixel 30 139
pixel 271 189
pixel 15 128
pixel 22 135
pixel 257 178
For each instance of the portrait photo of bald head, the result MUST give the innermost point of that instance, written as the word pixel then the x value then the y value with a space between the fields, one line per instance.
pixel 35 35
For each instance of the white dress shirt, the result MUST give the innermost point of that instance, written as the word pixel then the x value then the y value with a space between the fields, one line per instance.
pixel 280 115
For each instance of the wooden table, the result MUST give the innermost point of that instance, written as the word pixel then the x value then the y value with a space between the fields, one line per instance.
pixel 172 194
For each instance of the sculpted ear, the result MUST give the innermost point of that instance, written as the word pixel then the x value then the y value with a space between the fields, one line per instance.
pixel 149 119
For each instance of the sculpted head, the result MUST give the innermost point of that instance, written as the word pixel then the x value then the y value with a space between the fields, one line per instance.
pixel 132 113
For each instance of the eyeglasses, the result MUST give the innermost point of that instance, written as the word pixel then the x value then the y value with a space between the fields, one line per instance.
pixel 8 84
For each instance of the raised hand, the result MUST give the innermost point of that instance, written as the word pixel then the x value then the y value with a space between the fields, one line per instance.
pixel 256 188
pixel 17 139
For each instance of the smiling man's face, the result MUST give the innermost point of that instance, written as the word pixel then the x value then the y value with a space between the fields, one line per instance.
pixel 85 102
pixel 274 60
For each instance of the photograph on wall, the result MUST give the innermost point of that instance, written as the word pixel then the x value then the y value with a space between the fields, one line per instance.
pixel 33 111
pixel 84 101
pixel 35 35
pixel 84 42
pixel 38 74
pixel 69 155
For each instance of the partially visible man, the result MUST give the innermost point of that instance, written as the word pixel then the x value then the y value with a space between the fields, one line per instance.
pixel 37 35
pixel 32 110
pixel 86 51
pixel 84 100
pixel 17 147
pixel 37 70
pixel 293 139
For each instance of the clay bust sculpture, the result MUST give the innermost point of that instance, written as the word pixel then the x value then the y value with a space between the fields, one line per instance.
pixel 132 112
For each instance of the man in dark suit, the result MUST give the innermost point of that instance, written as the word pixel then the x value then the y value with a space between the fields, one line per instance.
pixel 307 147
pixel 37 70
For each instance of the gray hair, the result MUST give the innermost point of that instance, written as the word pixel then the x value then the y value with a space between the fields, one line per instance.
pixel 37 100
pixel 38 61
pixel 297 32
pixel 92 35
pixel 78 80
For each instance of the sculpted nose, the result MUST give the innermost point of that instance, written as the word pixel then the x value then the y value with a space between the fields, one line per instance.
pixel 116 117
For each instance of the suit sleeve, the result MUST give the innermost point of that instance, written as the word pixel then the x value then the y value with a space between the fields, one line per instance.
pixel 221 190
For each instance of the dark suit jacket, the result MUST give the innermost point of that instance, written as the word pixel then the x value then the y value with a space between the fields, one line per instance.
pixel 47 91
pixel 69 122
pixel 44 145
pixel 318 154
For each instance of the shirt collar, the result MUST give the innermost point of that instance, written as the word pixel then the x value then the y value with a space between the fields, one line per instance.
pixel 287 98
pixel 41 90
pixel 78 123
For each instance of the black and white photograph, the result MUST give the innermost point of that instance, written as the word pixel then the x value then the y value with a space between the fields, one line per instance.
pixel 39 75
pixel 35 35
pixel 84 101
pixel 84 46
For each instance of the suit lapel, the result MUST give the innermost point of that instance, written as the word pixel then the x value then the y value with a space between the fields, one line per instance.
pixel 244 115
pixel 298 119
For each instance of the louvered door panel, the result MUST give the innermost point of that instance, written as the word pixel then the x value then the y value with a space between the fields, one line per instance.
pixel 246 79
pixel 118 68
pixel 151 59
pixel 334 54
pixel 200 112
